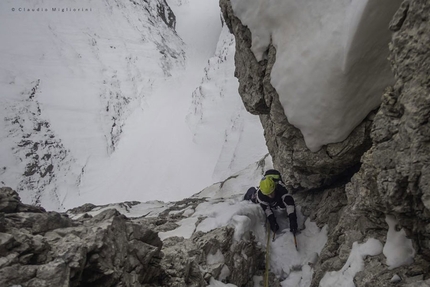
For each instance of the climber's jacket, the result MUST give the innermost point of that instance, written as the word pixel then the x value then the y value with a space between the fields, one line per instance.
pixel 281 199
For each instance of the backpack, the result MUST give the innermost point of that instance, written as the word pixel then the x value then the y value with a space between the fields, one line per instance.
pixel 251 195
pixel 275 175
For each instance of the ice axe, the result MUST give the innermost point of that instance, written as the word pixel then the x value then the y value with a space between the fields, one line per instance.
pixel 295 240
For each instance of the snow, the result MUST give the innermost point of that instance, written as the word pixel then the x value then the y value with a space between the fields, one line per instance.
pixel 285 258
pixel 150 209
pixel 216 258
pixel 214 106
pixel 395 279
pixel 339 46
pixel 354 264
pixel 398 249
pixel 241 225
pixel 185 230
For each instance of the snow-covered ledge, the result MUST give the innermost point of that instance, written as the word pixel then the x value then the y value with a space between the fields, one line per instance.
pixel 331 61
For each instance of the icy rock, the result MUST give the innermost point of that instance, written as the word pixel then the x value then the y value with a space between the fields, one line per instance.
pixel 396 278
pixel 215 254
pixel 184 260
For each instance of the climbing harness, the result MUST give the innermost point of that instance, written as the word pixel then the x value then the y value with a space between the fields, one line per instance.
pixel 266 273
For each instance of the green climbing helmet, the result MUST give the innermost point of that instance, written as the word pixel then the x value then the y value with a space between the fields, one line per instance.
pixel 267 185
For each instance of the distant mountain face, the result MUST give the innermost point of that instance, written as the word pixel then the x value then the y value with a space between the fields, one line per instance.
pixel 84 96
pixel 70 81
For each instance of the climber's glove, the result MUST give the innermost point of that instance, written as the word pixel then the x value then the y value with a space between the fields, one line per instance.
pixel 273 224
pixel 293 222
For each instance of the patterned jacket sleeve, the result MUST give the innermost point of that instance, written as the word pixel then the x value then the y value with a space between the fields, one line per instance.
pixel 262 199
pixel 288 200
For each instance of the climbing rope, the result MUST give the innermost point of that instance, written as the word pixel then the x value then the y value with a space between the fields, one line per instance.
pixel 266 273
pixel 295 241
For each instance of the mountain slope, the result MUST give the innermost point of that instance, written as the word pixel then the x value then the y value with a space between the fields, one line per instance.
pixel 95 101
pixel 85 72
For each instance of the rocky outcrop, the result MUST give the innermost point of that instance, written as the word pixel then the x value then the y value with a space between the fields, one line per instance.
pixel 214 254
pixel 166 14
pixel 39 248
pixel 303 168
pixel 42 154
pixel 199 258
pixel 348 225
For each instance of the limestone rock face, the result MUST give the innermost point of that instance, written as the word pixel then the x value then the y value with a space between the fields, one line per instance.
pixel 197 259
pixel 348 225
pixel 302 168
pixel 395 175
pixel 393 178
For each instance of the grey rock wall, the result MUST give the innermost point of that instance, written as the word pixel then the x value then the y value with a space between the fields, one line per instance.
pixel 395 175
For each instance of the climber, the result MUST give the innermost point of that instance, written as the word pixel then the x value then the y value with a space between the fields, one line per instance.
pixel 271 194
pixel 251 193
